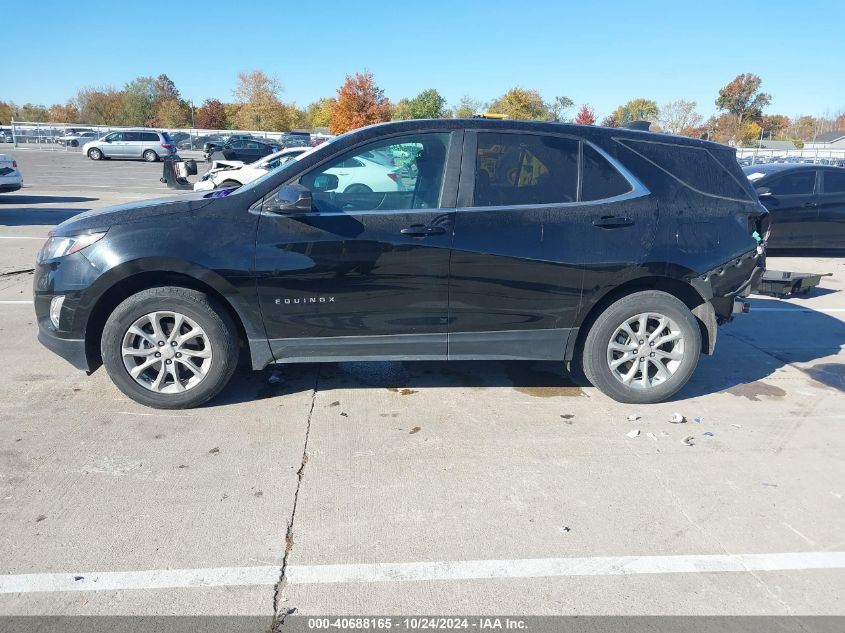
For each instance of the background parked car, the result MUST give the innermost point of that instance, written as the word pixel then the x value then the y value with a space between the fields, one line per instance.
pixel 807 203
pixel 148 145
pixel 224 174
pixel 10 176
pixel 75 139
pixel 211 146
pixel 5 135
pixel 245 150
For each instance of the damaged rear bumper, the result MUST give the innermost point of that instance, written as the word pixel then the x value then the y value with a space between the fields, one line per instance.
pixel 724 285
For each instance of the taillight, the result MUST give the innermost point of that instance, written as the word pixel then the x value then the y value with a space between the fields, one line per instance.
pixel 166 145
pixel 14 163
pixel 394 176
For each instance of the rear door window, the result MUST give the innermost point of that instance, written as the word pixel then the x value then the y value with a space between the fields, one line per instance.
pixel 525 169
pixel 800 183
pixel 834 181
pixel 131 136
pixel 149 137
pixel 600 179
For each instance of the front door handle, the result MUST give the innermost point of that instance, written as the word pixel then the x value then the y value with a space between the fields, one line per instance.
pixel 612 222
pixel 809 205
pixel 420 230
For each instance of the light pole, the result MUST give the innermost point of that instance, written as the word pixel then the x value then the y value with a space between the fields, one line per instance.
pixel 193 126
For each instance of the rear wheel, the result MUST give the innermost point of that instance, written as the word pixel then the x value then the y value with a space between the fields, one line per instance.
pixel 170 347
pixel 95 154
pixel 643 348
pixel 150 156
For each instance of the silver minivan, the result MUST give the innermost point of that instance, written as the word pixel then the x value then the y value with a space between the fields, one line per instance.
pixel 149 145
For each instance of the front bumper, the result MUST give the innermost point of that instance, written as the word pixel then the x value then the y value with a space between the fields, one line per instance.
pixel 71 349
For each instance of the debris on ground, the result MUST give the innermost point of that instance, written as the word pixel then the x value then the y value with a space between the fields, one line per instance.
pixel 689 440
pixel 697 420
pixel 564 528
pixel 708 433
pixel 633 433
pixel 275 378
pixel 652 436
pixel 79 577
pixel 736 426
pixel 633 417
pixel 677 418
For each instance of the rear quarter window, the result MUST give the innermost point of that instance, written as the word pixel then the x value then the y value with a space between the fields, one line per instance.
pixel 599 179
pixel 694 167
pixel 834 181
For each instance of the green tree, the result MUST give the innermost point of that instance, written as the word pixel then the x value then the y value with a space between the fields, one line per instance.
pixel 521 103
pixel 319 113
pixel 636 110
pixel 466 108
pixel 742 98
pixel 560 106
pixel 35 113
pixel 140 100
pixel 401 110
pixel 429 104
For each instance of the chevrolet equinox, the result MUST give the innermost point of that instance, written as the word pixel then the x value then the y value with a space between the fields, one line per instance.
pixel 620 250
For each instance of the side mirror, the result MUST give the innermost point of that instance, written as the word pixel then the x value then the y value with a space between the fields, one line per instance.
pixel 292 199
pixel 326 182
pixel 762 192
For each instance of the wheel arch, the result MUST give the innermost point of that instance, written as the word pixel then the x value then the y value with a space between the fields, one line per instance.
pixel 703 311
pixel 121 284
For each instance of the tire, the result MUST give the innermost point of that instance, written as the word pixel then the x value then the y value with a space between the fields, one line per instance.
pixel 95 154
pixel 357 188
pixel 150 156
pixel 226 184
pixel 217 345
pixel 74 143
pixel 608 343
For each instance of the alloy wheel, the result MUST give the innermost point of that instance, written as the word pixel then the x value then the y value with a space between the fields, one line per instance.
pixel 645 350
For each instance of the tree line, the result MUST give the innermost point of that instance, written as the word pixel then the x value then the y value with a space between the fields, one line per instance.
pixel 257 104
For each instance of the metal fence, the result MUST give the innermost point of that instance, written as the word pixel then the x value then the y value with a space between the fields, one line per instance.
pixel 818 156
pixel 70 137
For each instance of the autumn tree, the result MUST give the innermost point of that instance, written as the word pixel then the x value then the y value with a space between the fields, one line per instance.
pixel 585 116
pixel 522 103
pixel 8 111
pixel 100 106
pixel 560 106
pixel 360 102
pixel 257 94
pixel 678 117
pixel 803 128
pixel 742 98
pixel 636 110
pixel 610 120
pixel 34 112
pixel 401 110
pixel 466 108
pixel 64 113
pixel 319 113
pixel 774 125
pixel 173 113
pixel 211 115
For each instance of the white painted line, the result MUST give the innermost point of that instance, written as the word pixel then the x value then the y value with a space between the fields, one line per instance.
pixel 797 309
pixel 21 237
pixel 422 571
pixel 11 303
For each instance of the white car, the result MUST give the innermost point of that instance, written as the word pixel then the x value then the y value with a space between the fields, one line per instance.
pixel 10 176
pixel 234 173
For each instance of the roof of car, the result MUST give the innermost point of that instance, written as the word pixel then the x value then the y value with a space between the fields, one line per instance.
pixel 774 168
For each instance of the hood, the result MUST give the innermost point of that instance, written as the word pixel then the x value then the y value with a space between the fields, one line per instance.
pixel 101 219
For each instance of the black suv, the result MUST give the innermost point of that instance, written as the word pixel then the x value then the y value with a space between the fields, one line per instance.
pixel 445 239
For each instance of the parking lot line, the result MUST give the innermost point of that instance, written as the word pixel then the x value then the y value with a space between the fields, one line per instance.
pixel 421 571
pixel 27 303
pixel 21 237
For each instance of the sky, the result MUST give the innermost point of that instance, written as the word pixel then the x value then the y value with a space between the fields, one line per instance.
pixel 602 53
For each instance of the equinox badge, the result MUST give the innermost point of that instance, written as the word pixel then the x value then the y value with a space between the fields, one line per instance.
pixel 288 301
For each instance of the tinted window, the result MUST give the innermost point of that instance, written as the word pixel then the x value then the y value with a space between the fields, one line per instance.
pixel 237 144
pixel 600 179
pixel 800 183
pixel 411 178
pixel 513 169
pixel 149 136
pixel 131 136
pixel 834 181
pixel 117 136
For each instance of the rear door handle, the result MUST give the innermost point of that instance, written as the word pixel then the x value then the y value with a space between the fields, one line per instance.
pixel 612 222
pixel 420 230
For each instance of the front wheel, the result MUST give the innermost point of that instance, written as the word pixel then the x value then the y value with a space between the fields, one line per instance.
pixel 228 184
pixel 170 347
pixel 643 348
pixel 95 154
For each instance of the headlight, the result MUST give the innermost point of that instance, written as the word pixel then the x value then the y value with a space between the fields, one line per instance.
pixel 56 247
